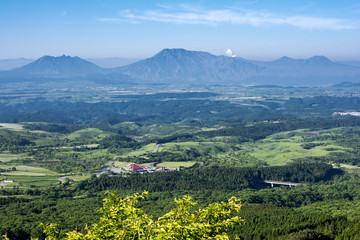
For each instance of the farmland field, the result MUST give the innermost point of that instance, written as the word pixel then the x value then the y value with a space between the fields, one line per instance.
pixel 176 164
pixel 119 164
pixel 6 157
pixel 149 148
pixel 12 126
pixel 221 146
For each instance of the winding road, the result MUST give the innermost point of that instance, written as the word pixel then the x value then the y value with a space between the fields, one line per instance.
pixel 61 179
pixel 156 148
pixel 298 146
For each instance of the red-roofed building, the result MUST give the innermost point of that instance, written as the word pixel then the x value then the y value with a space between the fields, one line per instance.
pixel 139 168
pixel 135 167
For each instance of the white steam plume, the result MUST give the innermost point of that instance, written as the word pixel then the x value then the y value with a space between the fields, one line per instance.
pixel 229 53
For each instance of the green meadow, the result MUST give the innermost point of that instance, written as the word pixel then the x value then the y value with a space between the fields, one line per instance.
pixel 87 134
pixel 7 157
pixel 205 147
pixel 24 170
pixel 34 181
pixel 277 148
pixel 149 148
pixel 12 126
pixel 119 164
pixel 76 177
pixel 176 164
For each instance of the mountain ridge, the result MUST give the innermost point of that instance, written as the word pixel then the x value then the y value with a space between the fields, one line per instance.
pixel 8 64
pixel 174 65
pixel 62 68
pixel 180 66
pixel 61 65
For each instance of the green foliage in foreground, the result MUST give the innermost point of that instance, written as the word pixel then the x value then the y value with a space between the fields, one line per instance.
pixel 122 220
pixel 329 209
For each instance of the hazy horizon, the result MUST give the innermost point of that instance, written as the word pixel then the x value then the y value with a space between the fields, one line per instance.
pixel 257 30
pixel 138 59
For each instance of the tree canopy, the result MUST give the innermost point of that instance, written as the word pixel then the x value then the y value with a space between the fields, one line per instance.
pixel 121 219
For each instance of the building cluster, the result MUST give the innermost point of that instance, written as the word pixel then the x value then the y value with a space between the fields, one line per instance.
pixel 4 182
pixel 357 114
pixel 134 167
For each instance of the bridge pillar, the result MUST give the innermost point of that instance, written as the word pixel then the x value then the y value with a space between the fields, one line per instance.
pixel 272 185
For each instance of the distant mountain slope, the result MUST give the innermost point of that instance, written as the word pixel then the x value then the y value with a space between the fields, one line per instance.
pixel 315 71
pixel 182 66
pixel 315 66
pixel 64 67
pixel 7 64
pixel 179 66
pixel 112 62
pixel 59 66
pixel 351 63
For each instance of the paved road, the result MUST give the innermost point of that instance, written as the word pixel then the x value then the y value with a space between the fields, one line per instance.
pixel 298 146
pixel 156 148
pixel 105 168
pixel 61 179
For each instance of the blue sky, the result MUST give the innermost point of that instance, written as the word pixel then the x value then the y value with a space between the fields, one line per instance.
pixel 252 29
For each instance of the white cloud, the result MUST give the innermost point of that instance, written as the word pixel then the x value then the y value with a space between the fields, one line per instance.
pixel 229 53
pixel 230 16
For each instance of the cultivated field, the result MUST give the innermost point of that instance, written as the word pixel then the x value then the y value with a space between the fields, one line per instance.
pixel 6 157
pixel 176 164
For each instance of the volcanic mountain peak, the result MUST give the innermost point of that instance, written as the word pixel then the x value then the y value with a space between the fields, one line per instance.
pixel 62 65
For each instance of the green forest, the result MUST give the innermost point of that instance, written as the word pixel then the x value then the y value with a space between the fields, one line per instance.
pixel 293 163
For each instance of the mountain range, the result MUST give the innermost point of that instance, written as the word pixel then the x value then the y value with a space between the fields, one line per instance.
pixel 180 66
pixel 8 64
pixel 112 62
pixel 48 68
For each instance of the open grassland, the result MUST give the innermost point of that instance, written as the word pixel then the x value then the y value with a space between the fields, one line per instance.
pixel 176 164
pixel 76 177
pixel 278 148
pixel 349 166
pixel 87 134
pixel 157 130
pixel 141 151
pixel 95 145
pixel 21 173
pixel 24 170
pixel 28 176
pixel 119 164
pixel 326 148
pixel 35 181
pixel 18 127
pixel 275 153
pixel 201 147
pixel 7 157
pixel 12 126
